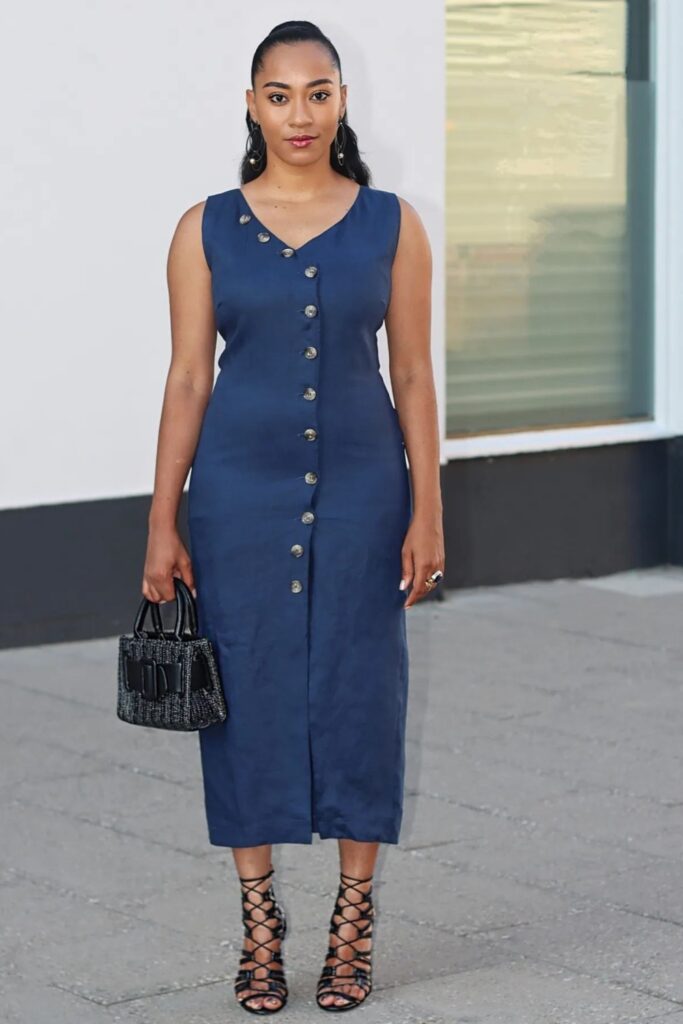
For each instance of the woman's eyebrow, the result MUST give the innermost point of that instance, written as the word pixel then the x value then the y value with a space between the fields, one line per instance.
pixel 283 85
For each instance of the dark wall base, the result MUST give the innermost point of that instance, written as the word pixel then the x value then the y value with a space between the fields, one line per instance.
pixel 73 572
pixel 572 513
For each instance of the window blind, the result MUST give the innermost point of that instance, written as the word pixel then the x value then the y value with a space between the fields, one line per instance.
pixel 549 214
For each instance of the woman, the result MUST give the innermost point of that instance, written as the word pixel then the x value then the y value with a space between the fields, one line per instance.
pixel 307 528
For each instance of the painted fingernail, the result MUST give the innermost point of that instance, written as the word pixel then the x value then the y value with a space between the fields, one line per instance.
pixel 402 585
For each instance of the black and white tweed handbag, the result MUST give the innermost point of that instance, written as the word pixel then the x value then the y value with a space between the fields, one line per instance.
pixel 168 679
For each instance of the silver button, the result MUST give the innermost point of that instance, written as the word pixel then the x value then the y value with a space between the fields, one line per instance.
pixel 245 218
pixel 286 252
pixel 310 433
pixel 310 351
pixel 308 517
pixel 263 236
pixel 311 271
pixel 311 478
pixel 311 310
pixel 309 394
pixel 297 550
pixel 296 586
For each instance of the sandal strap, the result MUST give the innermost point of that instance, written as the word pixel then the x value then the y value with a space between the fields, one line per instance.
pixel 360 962
pixel 273 919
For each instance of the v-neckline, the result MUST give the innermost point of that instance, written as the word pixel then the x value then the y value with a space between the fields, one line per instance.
pixel 310 241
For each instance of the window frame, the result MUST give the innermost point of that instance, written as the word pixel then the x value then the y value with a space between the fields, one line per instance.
pixel 666 41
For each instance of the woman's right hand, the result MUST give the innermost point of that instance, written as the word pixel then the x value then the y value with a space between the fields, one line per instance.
pixel 166 557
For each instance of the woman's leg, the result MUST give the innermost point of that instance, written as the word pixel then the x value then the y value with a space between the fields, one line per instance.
pixel 356 860
pixel 254 862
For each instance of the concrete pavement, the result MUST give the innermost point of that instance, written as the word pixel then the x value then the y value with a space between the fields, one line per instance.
pixel 538 880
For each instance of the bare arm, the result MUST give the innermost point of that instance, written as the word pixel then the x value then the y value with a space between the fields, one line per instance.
pixel 188 388
pixel 408 325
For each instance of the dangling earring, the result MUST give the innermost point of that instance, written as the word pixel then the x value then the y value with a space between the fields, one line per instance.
pixel 339 147
pixel 256 157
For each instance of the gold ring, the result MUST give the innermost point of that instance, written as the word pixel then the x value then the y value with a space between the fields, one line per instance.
pixel 434 579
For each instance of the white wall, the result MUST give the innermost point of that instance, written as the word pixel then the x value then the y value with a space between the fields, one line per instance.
pixel 118 117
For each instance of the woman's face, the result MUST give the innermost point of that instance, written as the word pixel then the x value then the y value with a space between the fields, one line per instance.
pixel 297 93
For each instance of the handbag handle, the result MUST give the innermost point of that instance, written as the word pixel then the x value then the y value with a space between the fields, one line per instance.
pixel 189 617
pixel 186 613
pixel 140 618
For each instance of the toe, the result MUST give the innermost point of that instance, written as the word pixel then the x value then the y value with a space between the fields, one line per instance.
pixel 254 1001
pixel 351 992
pixel 328 999
pixel 342 997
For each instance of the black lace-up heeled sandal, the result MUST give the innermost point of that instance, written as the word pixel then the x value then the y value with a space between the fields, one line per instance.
pixel 345 965
pixel 265 980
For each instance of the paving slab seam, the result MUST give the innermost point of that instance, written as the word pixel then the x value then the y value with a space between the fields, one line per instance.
pixel 107 762
pixel 559 888
pixel 599 741
pixel 616 982
pixel 602 742
pixel 60 697
pixel 147 773
pixel 579 973
pixel 136 917
pixel 498 618
pixel 164 991
pixel 95 823
pixel 582 786
pixel 548 831
pixel 510 960
pixel 9 786
pixel 640 913
pixel 551 773
pixel 51 744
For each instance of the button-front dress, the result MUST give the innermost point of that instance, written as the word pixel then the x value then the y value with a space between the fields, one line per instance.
pixel 299 501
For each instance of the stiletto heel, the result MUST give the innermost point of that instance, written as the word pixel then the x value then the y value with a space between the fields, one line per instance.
pixel 272 977
pixel 358 964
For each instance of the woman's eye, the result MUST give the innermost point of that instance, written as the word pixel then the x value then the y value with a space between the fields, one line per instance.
pixel 280 95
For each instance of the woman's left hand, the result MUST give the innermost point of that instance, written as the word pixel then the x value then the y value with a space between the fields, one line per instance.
pixel 422 554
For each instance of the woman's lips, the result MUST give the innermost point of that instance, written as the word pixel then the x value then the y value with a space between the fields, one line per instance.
pixel 300 143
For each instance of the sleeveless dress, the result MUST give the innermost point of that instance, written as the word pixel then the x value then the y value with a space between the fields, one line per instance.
pixel 298 504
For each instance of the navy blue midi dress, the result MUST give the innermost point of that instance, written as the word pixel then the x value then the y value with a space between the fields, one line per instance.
pixel 299 501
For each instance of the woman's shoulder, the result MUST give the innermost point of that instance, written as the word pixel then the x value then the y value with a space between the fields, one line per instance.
pixel 214 201
pixel 411 221
pixel 194 229
pixel 399 203
pixel 197 220
pixel 189 225
pixel 413 239
pixel 217 200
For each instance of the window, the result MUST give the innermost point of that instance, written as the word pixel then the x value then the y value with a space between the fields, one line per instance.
pixel 549 214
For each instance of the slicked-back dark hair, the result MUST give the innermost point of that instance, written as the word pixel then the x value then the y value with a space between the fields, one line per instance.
pixel 296 32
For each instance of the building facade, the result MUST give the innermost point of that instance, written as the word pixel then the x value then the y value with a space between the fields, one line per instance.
pixel 562 357
pixel 542 143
